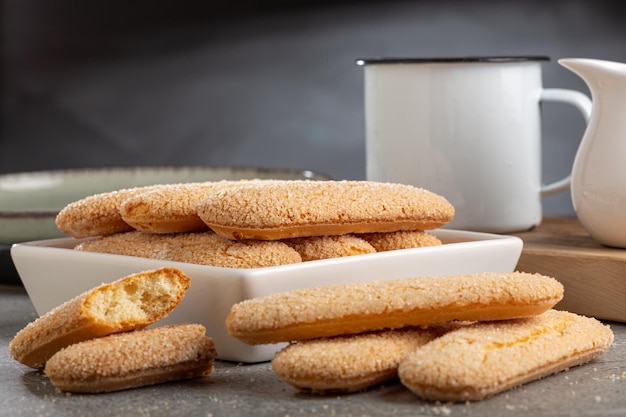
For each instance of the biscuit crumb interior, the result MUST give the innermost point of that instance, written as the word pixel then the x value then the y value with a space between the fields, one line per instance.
pixel 133 302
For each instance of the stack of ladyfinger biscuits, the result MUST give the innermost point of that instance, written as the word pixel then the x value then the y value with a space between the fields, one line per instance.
pixel 256 223
pixel 96 342
pixel 448 338
pixel 451 338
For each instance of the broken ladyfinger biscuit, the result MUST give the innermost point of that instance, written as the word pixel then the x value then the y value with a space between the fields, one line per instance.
pixel 132 302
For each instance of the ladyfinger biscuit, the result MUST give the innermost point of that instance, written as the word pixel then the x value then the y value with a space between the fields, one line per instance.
pixel 324 247
pixel 130 303
pixel 96 215
pixel 347 363
pixel 404 239
pixel 133 359
pixel 171 208
pixel 288 209
pixel 484 359
pixel 354 308
pixel 202 248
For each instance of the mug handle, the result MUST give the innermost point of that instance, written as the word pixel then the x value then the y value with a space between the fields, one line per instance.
pixel 583 104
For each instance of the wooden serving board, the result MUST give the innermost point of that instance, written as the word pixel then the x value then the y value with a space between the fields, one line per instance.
pixel 594 276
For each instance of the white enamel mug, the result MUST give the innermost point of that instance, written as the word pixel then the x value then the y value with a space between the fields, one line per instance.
pixel 466 128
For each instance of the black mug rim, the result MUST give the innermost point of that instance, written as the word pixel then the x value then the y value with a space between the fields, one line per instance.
pixel 451 60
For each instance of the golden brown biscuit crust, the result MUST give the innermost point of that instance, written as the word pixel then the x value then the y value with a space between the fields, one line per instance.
pixel 483 359
pixel 288 209
pixel 202 248
pixel 354 308
pixel 403 239
pixel 324 247
pixel 172 208
pixel 96 215
pixel 347 363
pixel 130 303
pixel 133 359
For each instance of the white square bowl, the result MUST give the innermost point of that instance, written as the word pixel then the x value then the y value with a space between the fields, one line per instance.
pixel 52 273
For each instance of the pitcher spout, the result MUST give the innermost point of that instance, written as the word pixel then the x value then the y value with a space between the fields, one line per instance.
pixel 596 72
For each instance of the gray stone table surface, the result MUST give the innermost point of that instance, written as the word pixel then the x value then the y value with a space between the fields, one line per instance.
pixel 595 389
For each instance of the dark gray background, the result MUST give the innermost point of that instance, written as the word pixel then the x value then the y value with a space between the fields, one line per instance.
pixel 259 83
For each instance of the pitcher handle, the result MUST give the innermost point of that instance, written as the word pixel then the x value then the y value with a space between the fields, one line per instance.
pixel 583 104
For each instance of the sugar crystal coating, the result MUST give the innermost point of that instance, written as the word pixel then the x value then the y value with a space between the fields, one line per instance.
pixel 202 248
pixel 350 308
pixel 483 359
pixel 287 209
pixel 347 363
pixel 131 359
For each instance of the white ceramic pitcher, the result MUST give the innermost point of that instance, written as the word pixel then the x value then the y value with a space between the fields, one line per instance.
pixel 598 184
